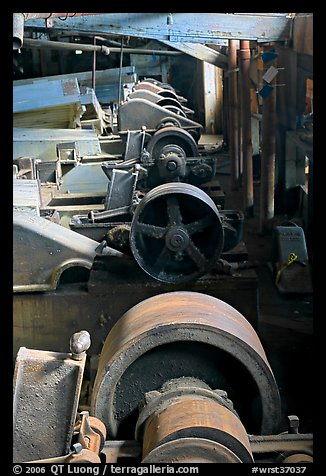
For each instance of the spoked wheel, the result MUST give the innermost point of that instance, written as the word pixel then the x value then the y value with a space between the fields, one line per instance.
pixel 176 233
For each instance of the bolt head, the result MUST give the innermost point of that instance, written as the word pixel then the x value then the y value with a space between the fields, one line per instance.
pixel 77 447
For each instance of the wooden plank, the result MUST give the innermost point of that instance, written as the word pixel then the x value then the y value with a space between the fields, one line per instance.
pixel 26 194
pixel 46 104
pixel 303 33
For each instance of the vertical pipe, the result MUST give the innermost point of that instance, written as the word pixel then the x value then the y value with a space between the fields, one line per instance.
pixel 94 66
pixel 239 112
pixel 233 116
pixel 18 30
pixel 247 179
pixel 225 117
pixel 120 72
pixel 268 158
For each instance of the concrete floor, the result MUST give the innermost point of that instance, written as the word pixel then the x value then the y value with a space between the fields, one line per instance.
pixel 285 322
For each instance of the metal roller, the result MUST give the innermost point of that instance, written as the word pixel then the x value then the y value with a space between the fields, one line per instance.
pixel 187 408
pixel 175 136
pixel 184 334
pixel 176 233
pixel 197 417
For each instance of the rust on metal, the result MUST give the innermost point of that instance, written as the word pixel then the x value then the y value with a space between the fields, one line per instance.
pixel 92 433
pixel 181 317
pixel 70 86
pixel 197 416
pixel 154 88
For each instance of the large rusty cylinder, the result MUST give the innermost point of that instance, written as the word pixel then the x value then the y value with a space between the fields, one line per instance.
pixel 192 416
pixel 184 334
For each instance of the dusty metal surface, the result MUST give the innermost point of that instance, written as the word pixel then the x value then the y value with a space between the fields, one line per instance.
pixel 186 27
pixel 176 233
pixel 46 393
pixel 184 334
pixel 282 444
pixel 43 250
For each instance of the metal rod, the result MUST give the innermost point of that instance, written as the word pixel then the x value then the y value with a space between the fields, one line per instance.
pixel 59 45
pixel 233 114
pixel 120 72
pixel 29 16
pixel 268 158
pixel 94 65
pixel 247 178
pixel 140 51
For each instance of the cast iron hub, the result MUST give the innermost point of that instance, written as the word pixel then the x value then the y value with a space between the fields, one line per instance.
pixel 177 239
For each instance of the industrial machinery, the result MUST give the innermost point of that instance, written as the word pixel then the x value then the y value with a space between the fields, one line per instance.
pixel 182 378
pixel 154 104
pixel 175 231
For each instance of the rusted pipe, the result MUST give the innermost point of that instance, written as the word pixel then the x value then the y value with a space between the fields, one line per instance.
pixel 140 51
pixel 59 45
pixel 233 115
pixel 268 158
pixel 247 178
